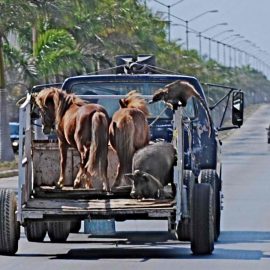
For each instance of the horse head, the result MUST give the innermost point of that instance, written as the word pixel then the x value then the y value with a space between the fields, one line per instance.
pixel 134 100
pixel 45 101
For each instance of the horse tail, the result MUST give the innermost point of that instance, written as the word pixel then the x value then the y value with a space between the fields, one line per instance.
pixel 123 143
pixel 98 160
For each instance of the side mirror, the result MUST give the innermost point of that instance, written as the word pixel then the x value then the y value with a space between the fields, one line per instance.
pixel 237 108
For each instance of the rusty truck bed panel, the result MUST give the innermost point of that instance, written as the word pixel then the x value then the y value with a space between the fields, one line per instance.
pixel 50 192
pixel 46 160
pixel 40 208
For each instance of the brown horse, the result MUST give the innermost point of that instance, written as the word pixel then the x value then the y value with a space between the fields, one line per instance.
pixel 80 125
pixel 128 131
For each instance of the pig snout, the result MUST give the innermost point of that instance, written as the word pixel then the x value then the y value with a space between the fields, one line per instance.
pixel 133 193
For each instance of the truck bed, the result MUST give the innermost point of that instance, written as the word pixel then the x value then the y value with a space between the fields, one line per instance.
pixel 49 203
pixel 37 208
pixel 50 192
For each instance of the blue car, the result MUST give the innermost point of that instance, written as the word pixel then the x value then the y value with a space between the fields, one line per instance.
pixel 14 135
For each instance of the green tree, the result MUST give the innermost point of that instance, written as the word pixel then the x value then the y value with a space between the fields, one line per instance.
pixel 11 11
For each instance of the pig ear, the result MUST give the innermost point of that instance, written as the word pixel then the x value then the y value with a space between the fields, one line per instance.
pixel 137 172
pixel 130 176
pixel 145 176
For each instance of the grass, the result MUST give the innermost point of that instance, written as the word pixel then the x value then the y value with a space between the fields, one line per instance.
pixel 9 165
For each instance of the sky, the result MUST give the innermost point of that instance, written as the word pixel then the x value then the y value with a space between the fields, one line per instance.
pixel 248 18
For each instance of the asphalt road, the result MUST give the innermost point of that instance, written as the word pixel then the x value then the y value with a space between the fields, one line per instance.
pixel 244 241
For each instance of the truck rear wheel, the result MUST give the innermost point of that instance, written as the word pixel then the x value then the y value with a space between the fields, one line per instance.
pixel 75 226
pixel 211 177
pixel 35 231
pixel 183 230
pixel 183 227
pixel 58 231
pixel 9 227
pixel 202 220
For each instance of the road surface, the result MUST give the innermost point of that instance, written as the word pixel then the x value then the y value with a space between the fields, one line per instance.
pixel 244 241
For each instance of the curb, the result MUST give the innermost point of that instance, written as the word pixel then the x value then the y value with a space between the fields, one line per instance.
pixel 8 173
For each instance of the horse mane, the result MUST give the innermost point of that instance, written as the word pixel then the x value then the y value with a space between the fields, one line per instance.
pixel 62 101
pixel 135 100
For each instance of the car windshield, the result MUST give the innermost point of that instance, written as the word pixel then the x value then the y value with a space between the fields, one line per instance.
pixel 122 88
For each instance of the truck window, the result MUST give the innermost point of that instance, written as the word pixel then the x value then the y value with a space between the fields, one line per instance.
pixel 122 88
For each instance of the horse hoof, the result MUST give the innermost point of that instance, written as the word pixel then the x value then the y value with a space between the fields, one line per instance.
pixel 59 185
pixel 107 189
pixel 76 184
pixel 114 188
pixel 88 186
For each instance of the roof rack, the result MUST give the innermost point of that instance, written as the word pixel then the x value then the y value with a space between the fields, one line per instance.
pixel 140 64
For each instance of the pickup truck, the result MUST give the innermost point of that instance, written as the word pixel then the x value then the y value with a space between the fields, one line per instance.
pixel 193 214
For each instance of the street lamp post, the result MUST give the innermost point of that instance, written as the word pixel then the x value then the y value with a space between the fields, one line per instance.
pixel 209 47
pixel 169 15
pixel 218 51
pixel 212 39
pixel 235 39
pixel 214 36
pixel 230 55
pixel 230 36
pixel 194 18
pixel 205 30
pixel 221 33
pixel 224 54
pixel 235 57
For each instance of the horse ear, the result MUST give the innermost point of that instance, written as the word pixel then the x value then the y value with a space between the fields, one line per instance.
pixel 122 103
pixel 33 98
pixel 20 101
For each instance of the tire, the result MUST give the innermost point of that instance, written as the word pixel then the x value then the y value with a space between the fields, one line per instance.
pixel 202 220
pixel 183 227
pixel 268 134
pixel 35 231
pixel 211 177
pixel 75 226
pixel 9 227
pixel 58 231
pixel 183 230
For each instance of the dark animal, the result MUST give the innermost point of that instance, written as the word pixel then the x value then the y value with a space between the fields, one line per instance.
pixel 128 132
pixel 80 125
pixel 146 186
pixel 152 168
pixel 177 94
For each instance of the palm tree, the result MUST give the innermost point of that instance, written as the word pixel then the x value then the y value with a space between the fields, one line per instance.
pixel 9 14
pixel 6 152
pixel 56 55
pixel 13 14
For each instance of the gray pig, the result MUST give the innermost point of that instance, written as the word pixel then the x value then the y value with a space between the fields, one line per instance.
pixel 152 168
pixel 146 185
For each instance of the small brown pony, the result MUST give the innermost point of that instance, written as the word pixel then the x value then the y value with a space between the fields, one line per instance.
pixel 80 125
pixel 128 131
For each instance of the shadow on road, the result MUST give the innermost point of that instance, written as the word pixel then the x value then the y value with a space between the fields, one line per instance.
pixel 149 246
pixel 145 246
pixel 231 237
pixel 148 253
